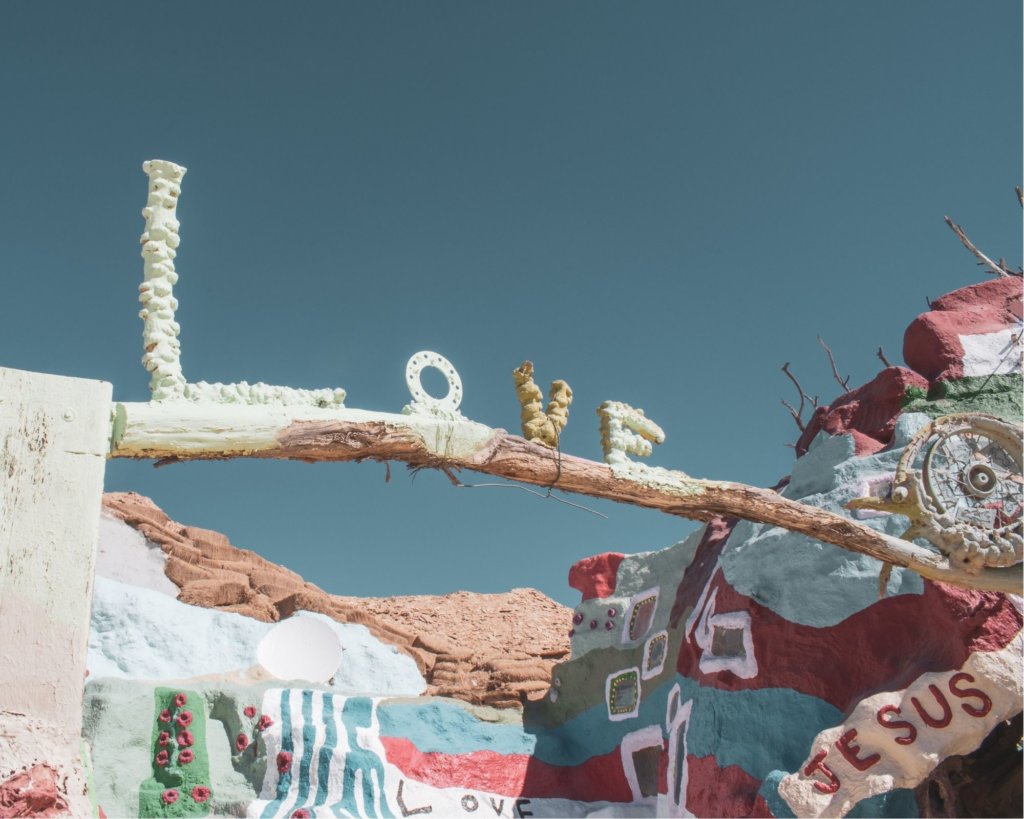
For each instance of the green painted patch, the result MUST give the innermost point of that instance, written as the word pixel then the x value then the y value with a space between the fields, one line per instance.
pixel 582 680
pixel 999 395
pixel 181 767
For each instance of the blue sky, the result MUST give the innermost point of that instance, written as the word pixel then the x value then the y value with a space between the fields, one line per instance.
pixel 660 203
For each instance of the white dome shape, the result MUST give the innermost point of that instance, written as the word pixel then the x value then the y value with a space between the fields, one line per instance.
pixel 300 648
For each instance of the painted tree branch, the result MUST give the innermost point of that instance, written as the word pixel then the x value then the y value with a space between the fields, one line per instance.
pixel 176 431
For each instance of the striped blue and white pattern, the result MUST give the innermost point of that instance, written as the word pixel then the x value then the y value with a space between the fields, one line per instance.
pixel 337 765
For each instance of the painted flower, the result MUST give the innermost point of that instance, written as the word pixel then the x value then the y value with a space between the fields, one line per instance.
pixel 165 716
pixel 241 742
pixel 170 796
pixel 184 719
pixel 250 711
pixel 200 793
pixel 284 761
pixel 185 756
pixel 162 758
pixel 301 813
pixel 264 723
pixel 185 739
pixel 179 700
pixel 164 738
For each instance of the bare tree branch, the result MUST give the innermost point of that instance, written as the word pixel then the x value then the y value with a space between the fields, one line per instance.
pixel 882 357
pixel 188 431
pixel 835 370
pixel 1020 195
pixel 981 257
pixel 794 413
pixel 797 413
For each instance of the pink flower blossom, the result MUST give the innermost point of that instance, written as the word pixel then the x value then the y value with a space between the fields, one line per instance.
pixel 185 739
pixel 184 719
pixel 301 813
pixel 284 761
pixel 179 700
pixel 165 716
pixel 250 711
pixel 241 742
pixel 162 758
pixel 185 756
pixel 264 723
pixel 200 793
pixel 170 796
pixel 163 739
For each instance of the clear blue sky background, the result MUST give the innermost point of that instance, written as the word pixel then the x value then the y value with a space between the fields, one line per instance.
pixel 658 202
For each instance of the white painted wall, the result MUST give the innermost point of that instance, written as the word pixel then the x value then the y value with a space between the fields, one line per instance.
pixel 54 440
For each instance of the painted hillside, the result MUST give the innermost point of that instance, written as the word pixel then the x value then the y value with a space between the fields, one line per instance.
pixel 746 671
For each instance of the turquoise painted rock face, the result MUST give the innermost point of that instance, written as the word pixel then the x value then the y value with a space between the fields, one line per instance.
pixel 744 671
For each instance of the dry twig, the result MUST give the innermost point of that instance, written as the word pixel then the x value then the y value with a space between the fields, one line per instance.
pixel 882 357
pixel 804 399
pixel 796 413
pixel 999 270
pixel 835 370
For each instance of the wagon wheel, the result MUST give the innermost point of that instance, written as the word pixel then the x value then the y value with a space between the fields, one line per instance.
pixel 974 473
pixel 964 493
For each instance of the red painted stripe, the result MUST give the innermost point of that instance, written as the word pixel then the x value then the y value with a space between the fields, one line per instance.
pixel 600 778
pixel 728 791
pixel 885 646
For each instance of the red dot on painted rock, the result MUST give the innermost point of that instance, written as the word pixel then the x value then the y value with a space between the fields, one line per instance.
pixel 593 623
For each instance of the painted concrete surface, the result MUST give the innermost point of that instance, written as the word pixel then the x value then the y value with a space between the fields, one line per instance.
pixel 745 671
pixel 807 581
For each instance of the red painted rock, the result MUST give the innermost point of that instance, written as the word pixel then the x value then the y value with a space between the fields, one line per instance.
pixel 933 344
pixel 596 576
pixel 34 792
pixel 868 413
